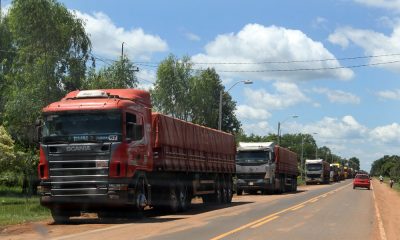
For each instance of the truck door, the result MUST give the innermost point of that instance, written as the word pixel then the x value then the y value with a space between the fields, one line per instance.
pixel 137 143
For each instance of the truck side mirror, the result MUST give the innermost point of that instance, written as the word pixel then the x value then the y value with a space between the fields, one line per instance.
pixel 38 133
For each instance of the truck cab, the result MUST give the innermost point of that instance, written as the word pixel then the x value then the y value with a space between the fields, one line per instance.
pixel 254 166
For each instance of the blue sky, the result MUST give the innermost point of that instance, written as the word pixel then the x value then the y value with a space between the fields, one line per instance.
pixel 353 110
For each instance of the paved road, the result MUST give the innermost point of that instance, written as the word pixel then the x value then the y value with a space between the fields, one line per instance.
pixel 334 211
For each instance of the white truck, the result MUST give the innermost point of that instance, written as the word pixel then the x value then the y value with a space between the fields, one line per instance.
pixel 317 171
pixel 265 166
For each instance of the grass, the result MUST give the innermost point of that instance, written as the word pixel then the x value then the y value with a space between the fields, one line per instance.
pixel 16 208
pixel 300 182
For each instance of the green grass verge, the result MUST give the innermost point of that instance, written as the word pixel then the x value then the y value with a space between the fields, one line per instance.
pixel 16 208
pixel 300 182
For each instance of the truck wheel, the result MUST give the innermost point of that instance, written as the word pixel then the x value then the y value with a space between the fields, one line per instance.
pixel 224 191
pixel 172 199
pixel 217 196
pixel 239 191
pixel 60 216
pixel 183 196
pixel 230 193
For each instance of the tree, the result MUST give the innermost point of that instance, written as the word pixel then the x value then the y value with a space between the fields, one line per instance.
pixel 120 74
pixel 192 96
pixel 171 94
pixel 354 163
pixel 7 155
pixel 52 49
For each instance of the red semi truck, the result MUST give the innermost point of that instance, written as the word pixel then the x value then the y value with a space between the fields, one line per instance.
pixel 105 151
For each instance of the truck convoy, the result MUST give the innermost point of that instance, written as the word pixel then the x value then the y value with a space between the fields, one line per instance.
pixel 105 151
pixel 317 171
pixel 265 166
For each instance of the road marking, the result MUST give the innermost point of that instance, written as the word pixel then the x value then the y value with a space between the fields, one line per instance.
pixel 263 222
pixel 294 209
pixel 272 215
pixel 324 195
pixel 314 200
pixel 379 219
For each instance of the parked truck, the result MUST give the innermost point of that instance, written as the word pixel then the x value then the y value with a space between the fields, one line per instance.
pixel 104 151
pixel 334 173
pixel 317 171
pixel 265 166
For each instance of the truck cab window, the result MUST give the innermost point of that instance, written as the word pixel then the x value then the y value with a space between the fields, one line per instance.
pixel 134 129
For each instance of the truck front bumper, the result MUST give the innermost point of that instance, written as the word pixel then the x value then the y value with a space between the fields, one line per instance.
pixel 252 184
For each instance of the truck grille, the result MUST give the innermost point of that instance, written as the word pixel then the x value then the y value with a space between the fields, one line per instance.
pixel 314 175
pixel 251 176
pixel 79 173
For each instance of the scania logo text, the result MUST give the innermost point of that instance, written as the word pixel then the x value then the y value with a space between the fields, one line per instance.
pixel 77 148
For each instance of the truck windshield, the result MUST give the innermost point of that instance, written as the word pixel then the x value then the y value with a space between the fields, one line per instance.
pixel 252 157
pixel 314 167
pixel 82 127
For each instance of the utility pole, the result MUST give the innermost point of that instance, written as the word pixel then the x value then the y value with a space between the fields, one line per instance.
pixel 302 157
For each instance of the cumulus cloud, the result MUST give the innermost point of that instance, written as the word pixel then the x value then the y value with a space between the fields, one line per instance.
pixel 389 94
pixel 266 50
pixel 338 96
pixel 107 38
pixel 251 113
pixel 146 79
pixel 387 134
pixel 286 95
pixel 386 4
pixel 373 43
pixel 260 128
pixel 333 129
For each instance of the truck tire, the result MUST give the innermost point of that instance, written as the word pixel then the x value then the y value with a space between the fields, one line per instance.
pixel 239 191
pixel 60 216
pixel 224 191
pixel 172 199
pixel 183 196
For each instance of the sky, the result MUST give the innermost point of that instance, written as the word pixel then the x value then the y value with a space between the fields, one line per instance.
pixel 333 63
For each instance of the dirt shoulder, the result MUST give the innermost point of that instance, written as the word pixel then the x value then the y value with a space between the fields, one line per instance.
pixel 388 201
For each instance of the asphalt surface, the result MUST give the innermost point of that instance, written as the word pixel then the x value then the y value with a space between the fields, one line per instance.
pixel 333 211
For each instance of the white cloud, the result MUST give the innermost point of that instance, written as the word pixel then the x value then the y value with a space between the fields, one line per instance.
pixel 286 95
pixel 146 79
pixel 373 43
pixel 251 113
pixel 386 4
pixel 107 38
pixel 256 43
pixel 333 129
pixel 388 94
pixel 192 37
pixel 338 96
pixel 387 134
pixel 319 22
pixel 260 128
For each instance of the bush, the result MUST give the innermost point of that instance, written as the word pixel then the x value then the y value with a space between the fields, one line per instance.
pixel 10 179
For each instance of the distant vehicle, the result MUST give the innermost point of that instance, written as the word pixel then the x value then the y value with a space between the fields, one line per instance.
pixel 105 151
pixel 334 173
pixel 317 171
pixel 362 181
pixel 265 166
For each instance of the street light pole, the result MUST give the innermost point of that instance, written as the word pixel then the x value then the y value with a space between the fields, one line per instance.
pixel 220 100
pixel 316 147
pixel 279 127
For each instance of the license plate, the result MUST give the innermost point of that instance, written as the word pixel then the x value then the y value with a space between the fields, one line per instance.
pixel 251 183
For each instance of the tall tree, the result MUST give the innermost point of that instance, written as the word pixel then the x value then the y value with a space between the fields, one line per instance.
pixel 120 74
pixel 171 93
pixel 52 49
pixel 7 155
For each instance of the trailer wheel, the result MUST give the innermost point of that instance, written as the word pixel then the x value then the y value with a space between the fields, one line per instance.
pixel 230 191
pixel 172 199
pixel 183 197
pixel 224 191
pixel 239 191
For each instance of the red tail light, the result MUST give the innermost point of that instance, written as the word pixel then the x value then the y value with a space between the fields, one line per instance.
pixel 118 162
pixel 43 168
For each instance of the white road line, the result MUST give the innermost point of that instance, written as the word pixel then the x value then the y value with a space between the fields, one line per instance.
pixel 379 219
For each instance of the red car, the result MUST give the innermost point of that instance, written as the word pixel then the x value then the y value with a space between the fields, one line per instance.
pixel 361 180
